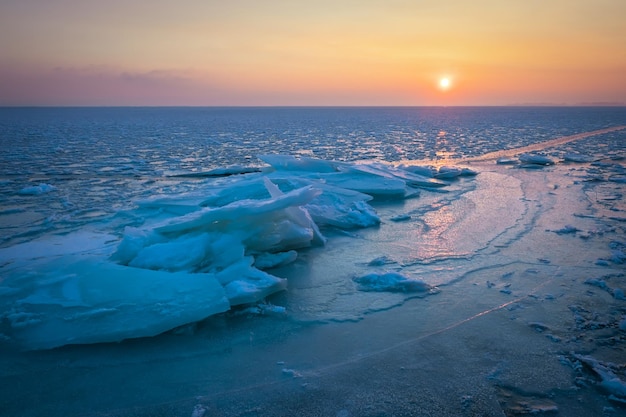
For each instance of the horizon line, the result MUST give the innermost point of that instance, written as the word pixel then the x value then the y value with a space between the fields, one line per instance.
pixel 582 104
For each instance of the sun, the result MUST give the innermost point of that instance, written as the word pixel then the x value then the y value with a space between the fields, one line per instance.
pixel 444 83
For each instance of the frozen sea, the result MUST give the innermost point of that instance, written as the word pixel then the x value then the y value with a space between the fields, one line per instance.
pixel 313 261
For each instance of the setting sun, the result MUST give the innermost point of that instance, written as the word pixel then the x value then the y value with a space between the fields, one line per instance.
pixel 444 83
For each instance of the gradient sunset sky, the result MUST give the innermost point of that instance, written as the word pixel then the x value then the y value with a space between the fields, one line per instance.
pixel 324 52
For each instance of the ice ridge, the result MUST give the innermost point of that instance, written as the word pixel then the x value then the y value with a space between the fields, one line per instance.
pixel 196 257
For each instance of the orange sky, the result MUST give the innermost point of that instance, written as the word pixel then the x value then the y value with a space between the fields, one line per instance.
pixel 245 52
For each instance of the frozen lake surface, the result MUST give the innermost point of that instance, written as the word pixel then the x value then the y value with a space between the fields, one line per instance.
pixel 331 262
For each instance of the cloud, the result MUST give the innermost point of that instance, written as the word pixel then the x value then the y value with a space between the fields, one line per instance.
pixel 99 85
pixel 106 86
pixel 155 77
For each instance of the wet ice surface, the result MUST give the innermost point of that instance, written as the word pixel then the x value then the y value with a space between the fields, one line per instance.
pixel 515 306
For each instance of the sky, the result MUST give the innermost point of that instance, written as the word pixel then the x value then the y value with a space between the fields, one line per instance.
pixel 312 53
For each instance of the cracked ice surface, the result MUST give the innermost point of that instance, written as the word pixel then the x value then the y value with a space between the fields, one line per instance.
pixel 326 287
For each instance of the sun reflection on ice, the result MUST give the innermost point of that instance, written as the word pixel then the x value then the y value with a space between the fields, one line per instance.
pixel 442 153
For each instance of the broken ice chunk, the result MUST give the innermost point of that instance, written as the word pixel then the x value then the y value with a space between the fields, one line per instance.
pixel 79 300
pixel 291 163
pixel 391 281
pixel 535 159
pixel 401 217
pixel 506 161
pixel 609 380
pixel 37 189
pixel 272 260
pixel 567 229
pixel 381 260
pixel 576 157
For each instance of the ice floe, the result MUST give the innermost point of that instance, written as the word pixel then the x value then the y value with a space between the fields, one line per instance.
pixel 579 158
pixel 608 373
pixel 391 281
pixel 603 283
pixel 534 159
pixel 448 172
pixel 37 189
pixel 219 172
pixel 76 300
pixel 506 161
